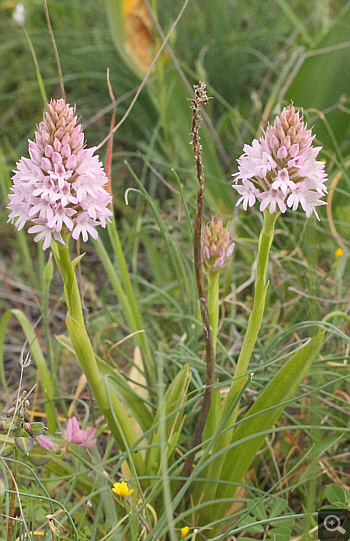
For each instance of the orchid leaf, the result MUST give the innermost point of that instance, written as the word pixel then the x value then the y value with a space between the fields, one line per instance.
pixel 173 399
pixel 120 386
pixel 323 81
pixel 250 434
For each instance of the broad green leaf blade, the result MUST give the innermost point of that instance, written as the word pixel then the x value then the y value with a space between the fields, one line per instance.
pixel 122 389
pixel 336 494
pixel 324 80
pixel 262 416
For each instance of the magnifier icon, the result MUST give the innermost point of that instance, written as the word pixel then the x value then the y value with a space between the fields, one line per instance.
pixel 332 524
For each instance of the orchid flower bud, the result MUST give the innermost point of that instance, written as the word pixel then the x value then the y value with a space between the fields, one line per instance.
pixel 216 246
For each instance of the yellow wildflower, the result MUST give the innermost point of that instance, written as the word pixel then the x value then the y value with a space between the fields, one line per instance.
pixel 184 531
pixel 122 489
pixel 339 252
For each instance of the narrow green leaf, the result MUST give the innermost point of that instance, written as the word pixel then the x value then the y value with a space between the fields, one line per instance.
pixel 76 260
pixel 316 452
pixel 206 491
pixel 48 271
pixel 263 415
pixel 120 386
pixel 173 399
pixel 122 389
pixel 211 424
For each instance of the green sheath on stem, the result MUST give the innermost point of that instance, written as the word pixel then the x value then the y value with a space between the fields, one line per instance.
pixel 213 305
pixel 255 318
pixel 120 428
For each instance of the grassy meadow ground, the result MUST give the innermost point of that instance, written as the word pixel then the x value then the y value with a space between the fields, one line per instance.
pixel 255 58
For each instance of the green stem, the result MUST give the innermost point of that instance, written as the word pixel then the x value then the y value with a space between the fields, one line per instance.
pixel 337 313
pixel 255 318
pixel 47 279
pixel 120 427
pixel 213 305
pixel 256 315
pixel 71 289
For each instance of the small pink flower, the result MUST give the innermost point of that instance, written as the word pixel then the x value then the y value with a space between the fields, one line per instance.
pixel 73 434
pixel 281 169
pixel 45 442
pixel 248 193
pixel 90 439
pixel 62 186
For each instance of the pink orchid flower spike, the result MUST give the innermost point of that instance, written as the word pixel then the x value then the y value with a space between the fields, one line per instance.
pixel 62 186
pixel 281 169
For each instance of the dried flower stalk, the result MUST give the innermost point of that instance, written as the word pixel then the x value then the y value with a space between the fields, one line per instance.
pixel 200 96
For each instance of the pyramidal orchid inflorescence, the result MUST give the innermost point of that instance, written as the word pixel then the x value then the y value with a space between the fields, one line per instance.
pixel 61 186
pixel 281 169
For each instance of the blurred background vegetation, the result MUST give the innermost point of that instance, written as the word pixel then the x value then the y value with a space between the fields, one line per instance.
pixel 255 57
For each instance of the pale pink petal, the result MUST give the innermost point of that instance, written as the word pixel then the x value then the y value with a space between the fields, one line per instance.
pixel 45 442
pixel 283 167
pixel 90 439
